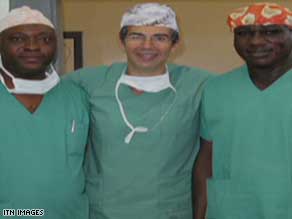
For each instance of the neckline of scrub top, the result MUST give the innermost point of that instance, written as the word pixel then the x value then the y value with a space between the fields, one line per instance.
pixel 136 128
pixel 268 89
pixel 22 107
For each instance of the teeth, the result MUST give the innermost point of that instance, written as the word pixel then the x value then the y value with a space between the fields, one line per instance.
pixel 147 56
pixel 259 53
pixel 147 53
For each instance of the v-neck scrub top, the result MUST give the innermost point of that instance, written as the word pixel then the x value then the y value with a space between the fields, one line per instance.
pixel 42 153
pixel 251 131
pixel 151 176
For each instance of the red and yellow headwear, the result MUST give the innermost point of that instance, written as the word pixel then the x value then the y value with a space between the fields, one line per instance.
pixel 260 14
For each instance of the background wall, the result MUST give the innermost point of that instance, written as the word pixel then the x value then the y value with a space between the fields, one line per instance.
pixel 4 7
pixel 206 39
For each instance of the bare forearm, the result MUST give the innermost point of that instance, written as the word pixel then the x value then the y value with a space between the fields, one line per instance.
pixel 200 199
pixel 202 171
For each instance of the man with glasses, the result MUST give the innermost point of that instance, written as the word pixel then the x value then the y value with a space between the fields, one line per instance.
pixel 144 123
pixel 247 122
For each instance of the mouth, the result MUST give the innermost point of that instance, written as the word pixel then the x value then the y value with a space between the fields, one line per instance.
pixel 147 56
pixel 31 59
pixel 259 53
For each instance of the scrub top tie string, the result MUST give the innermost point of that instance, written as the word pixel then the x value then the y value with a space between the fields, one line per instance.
pixel 137 129
pixel 132 133
pixel 129 137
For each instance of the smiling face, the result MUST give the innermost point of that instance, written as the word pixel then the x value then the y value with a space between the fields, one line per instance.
pixel 263 46
pixel 27 50
pixel 147 49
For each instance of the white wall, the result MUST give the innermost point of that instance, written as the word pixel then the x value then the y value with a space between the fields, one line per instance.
pixel 4 7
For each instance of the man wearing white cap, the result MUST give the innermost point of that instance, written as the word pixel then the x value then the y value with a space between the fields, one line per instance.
pixel 144 123
pixel 44 123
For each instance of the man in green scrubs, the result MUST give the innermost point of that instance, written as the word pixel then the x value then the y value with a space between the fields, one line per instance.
pixel 144 123
pixel 247 122
pixel 44 125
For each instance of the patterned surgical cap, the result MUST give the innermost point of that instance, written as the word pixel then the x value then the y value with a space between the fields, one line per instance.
pixel 151 14
pixel 260 14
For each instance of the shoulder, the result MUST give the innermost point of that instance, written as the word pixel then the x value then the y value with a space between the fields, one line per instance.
pixel 191 77
pixel 71 93
pixel 91 78
pixel 86 74
pixel 69 87
pixel 189 71
pixel 228 79
pixel 97 72
pixel 224 86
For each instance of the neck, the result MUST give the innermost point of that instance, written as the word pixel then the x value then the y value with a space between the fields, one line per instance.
pixel 30 101
pixel 27 76
pixel 7 79
pixel 9 82
pixel 264 77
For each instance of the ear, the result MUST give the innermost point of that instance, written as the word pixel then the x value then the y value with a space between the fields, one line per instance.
pixel 121 43
pixel 175 46
pixel 0 43
pixel 290 31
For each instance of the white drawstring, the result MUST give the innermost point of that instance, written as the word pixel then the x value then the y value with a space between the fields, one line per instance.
pixel 139 129
pixel 133 129
pixel 131 134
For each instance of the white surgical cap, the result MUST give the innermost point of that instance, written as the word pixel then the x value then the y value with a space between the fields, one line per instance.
pixel 152 14
pixel 23 15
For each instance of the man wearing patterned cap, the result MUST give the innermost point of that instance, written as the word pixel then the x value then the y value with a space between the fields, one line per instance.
pixel 144 116
pixel 44 123
pixel 247 121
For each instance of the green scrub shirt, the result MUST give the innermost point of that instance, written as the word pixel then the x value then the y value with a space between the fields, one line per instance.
pixel 42 153
pixel 151 176
pixel 251 130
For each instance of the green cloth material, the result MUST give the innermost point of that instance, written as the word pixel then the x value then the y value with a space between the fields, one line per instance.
pixel 41 159
pixel 251 130
pixel 151 176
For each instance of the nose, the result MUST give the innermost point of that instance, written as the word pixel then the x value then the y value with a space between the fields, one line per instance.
pixel 32 44
pixel 257 38
pixel 147 43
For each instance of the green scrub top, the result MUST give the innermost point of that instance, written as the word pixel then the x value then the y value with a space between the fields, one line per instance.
pixel 42 153
pixel 151 176
pixel 251 130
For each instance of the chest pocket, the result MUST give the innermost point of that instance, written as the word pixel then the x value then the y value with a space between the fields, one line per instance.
pixel 76 139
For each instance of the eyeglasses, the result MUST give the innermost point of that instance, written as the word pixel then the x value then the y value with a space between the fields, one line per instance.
pixel 270 33
pixel 157 39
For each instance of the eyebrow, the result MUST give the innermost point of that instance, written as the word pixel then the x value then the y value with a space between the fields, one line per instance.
pixel 43 33
pixel 161 34
pixel 156 34
pixel 136 33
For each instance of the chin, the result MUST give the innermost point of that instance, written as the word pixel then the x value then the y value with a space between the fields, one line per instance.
pixel 261 64
pixel 151 65
pixel 33 72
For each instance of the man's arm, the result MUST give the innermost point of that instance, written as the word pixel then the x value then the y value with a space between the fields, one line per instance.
pixel 202 171
pixel 88 78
